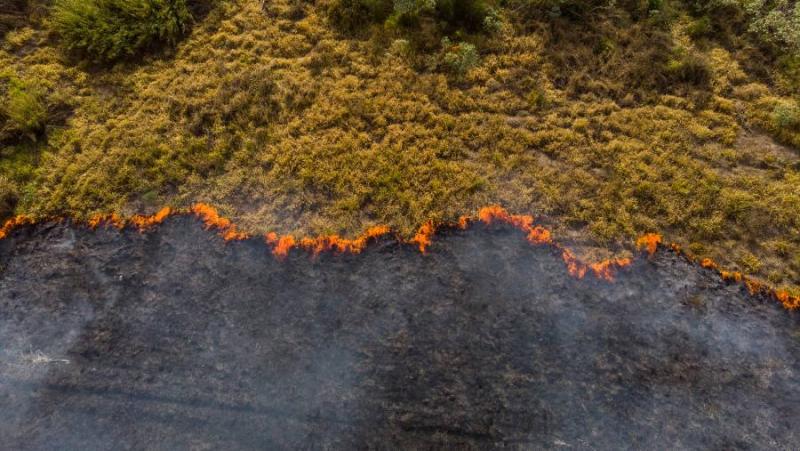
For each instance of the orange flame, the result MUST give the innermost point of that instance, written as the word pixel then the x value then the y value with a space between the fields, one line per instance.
pixel 280 245
pixel 575 267
pixel 788 301
pixel 147 222
pixel 539 235
pixel 649 241
pixel 108 220
pixel 752 285
pixel 424 235
pixel 213 220
pixel 708 263
pixel 496 213
pixel 140 222
pixel 13 223
pixel 735 276
pixel 606 268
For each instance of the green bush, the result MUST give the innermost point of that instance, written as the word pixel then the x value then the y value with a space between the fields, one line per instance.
pixel 569 9
pixel 786 116
pixel 772 24
pixel 9 196
pixel 493 21
pixel 413 8
pixel 688 68
pixel 467 14
pixel 700 28
pixel 585 10
pixel 107 30
pixel 24 110
pixel 789 73
pixel 449 15
pixel 537 99
pixel 353 15
pixel 576 9
pixel 459 57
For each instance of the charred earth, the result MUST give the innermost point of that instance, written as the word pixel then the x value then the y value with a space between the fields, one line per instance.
pixel 175 339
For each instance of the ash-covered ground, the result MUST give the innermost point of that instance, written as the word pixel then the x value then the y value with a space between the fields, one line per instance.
pixel 174 339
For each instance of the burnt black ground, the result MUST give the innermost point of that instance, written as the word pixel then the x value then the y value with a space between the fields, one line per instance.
pixel 173 339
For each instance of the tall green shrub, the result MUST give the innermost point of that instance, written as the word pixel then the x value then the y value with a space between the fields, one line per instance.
pixel 107 30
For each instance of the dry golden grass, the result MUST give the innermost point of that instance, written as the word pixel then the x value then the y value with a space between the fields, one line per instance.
pixel 286 125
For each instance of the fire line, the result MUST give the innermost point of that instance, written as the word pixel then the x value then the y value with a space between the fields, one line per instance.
pixel 281 245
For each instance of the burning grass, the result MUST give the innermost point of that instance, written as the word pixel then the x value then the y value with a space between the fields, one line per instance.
pixel 281 246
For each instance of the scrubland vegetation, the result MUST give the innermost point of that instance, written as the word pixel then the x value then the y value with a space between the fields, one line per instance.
pixel 607 118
